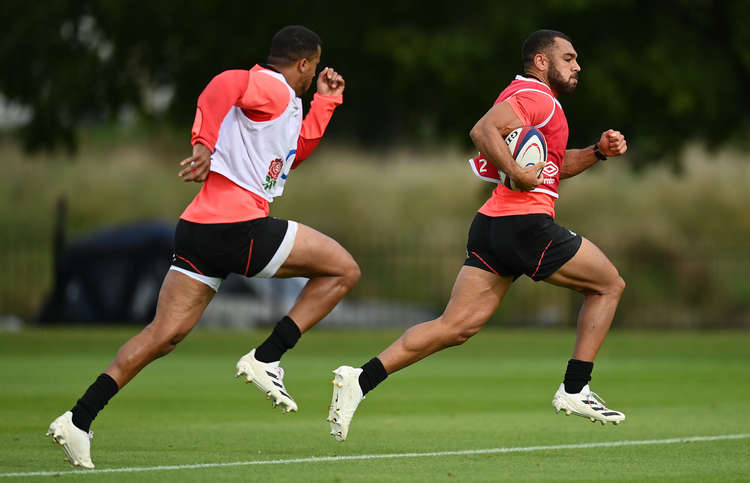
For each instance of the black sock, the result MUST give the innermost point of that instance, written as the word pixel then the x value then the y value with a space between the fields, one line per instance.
pixel 284 336
pixel 96 397
pixel 577 375
pixel 373 373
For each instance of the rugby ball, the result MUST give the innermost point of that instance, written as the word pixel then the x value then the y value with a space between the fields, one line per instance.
pixel 528 147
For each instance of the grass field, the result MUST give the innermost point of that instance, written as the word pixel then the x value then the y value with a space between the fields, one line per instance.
pixel 187 415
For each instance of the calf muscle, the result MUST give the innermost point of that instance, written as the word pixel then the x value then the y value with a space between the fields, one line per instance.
pixel 475 297
pixel 182 301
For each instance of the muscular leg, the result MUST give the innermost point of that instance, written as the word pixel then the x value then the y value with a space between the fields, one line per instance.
pixel 591 273
pixel 182 301
pixel 331 269
pixel 475 297
pixel 332 273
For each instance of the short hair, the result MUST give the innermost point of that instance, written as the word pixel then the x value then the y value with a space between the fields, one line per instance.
pixel 292 43
pixel 538 43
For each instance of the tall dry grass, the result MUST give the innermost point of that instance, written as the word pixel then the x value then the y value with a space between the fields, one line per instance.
pixel 677 238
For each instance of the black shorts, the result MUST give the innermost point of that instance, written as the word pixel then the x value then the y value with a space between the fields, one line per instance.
pixel 251 248
pixel 512 246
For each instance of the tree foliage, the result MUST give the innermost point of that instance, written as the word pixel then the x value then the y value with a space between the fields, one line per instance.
pixel 662 72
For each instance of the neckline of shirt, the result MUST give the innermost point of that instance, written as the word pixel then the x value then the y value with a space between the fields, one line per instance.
pixel 531 78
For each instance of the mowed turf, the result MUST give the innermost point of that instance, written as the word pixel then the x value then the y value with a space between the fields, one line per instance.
pixel 493 392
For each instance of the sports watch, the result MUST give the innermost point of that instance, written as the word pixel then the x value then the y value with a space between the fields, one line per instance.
pixel 599 155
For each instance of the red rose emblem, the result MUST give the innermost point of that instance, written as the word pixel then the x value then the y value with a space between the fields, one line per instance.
pixel 274 170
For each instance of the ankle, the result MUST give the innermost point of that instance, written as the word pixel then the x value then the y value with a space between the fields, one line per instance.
pixel 373 373
pixel 577 375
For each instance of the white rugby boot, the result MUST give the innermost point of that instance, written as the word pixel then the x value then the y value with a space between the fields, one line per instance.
pixel 346 397
pixel 75 442
pixel 269 378
pixel 587 404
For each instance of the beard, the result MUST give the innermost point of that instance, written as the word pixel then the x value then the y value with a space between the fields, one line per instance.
pixel 560 85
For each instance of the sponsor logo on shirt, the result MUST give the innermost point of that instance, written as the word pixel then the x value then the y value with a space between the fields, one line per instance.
pixel 551 170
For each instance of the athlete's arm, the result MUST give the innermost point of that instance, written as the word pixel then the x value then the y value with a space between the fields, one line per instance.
pixel 261 97
pixel 224 91
pixel 612 143
pixel 488 135
pixel 330 91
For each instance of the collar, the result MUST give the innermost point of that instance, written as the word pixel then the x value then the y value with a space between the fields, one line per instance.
pixel 531 78
pixel 269 67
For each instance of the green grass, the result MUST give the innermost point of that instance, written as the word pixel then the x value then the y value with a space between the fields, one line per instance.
pixel 493 392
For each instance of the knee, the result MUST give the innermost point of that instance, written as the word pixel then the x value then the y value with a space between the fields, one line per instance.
pixel 612 287
pixel 351 275
pixel 458 333
pixel 164 341
pixel 462 334
pixel 617 287
pixel 176 337
pixel 169 343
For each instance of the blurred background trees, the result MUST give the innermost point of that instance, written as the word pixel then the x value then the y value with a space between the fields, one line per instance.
pixel 97 98
pixel 663 72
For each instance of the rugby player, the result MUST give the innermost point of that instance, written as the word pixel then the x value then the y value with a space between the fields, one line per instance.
pixel 247 135
pixel 514 234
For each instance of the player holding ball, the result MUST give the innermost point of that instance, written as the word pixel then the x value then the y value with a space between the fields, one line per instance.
pixel 514 234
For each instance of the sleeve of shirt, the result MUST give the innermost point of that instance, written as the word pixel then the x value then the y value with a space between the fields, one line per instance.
pixel 314 125
pixel 532 107
pixel 224 91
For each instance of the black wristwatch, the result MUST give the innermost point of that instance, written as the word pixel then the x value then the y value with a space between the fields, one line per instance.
pixel 599 155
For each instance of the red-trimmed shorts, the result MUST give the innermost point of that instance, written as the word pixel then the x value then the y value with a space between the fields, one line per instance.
pixel 250 248
pixel 511 246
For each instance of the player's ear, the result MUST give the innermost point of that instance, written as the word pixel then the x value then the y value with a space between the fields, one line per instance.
pixel 302 64
pixel 541 61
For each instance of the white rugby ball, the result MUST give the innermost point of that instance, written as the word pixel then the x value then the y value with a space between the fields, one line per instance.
pixel 528 147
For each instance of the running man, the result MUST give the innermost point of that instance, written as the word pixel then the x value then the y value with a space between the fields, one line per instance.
pixel 247 136
pixel 514 234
